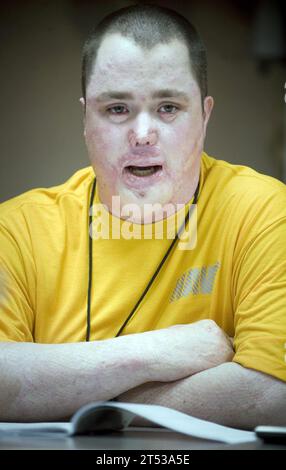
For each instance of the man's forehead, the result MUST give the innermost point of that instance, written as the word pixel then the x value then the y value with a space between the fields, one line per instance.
pixel 101 91
pixel 124 67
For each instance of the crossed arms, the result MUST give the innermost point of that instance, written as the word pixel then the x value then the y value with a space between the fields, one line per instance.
pixel 186 367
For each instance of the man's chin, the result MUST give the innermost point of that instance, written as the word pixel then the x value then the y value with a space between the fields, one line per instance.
pixel 158 193
pixel 143 208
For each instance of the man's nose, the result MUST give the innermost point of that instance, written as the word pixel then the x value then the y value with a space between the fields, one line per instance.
pixel 142 133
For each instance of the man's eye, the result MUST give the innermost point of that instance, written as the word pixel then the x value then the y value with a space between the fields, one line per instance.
pixel 168 109
pixel 118 109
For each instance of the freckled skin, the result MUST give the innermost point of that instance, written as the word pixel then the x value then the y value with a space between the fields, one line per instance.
pixel 122 65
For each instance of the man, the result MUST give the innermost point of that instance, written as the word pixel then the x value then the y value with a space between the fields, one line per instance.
pixel 143 319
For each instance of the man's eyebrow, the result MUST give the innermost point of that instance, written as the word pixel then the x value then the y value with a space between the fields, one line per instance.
pixel 125 95
pixel 114 95
pixel 170 93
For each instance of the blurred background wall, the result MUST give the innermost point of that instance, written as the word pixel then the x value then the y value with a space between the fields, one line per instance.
pixel 41 119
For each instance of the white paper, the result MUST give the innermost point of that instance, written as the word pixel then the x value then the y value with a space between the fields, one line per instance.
pixel 28 428
pixel 160 415
pixel 182 423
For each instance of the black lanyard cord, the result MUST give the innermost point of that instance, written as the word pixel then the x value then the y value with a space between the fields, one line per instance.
pixel 89 262
pixel 154 275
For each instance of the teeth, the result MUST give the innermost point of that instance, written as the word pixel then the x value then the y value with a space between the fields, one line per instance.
pixel 143 171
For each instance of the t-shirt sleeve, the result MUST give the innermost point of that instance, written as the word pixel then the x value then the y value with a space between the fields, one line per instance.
pixel 260 302
pixel 17 281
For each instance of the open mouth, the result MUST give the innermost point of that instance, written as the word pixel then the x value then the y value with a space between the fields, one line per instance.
pixel 142 171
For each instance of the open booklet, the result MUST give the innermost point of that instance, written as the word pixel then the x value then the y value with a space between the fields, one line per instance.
pixel 115 416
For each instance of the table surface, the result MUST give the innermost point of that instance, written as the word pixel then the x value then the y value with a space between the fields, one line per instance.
pixel 130 439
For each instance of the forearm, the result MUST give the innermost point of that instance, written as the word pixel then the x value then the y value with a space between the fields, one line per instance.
pixel 50 382
pixel 228 394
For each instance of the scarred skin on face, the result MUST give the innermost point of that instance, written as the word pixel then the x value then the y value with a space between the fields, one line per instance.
pixel 139 128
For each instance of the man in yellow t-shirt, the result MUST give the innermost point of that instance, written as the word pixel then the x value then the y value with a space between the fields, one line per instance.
pixel 99 297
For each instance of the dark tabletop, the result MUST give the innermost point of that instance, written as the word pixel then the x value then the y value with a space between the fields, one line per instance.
pixel 131 439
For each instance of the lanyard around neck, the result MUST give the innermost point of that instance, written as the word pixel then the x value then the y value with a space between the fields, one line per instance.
pixel 151 281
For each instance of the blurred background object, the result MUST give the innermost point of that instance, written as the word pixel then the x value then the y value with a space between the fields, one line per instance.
pixel 269 31
pixel 41 117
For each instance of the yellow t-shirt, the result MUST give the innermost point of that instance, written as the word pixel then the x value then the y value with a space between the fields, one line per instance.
pixel 235 274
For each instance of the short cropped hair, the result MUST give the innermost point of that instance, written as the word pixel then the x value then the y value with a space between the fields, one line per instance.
pixel 148 25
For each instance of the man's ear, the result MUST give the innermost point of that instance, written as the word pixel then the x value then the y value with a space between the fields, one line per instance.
pixel 208 106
